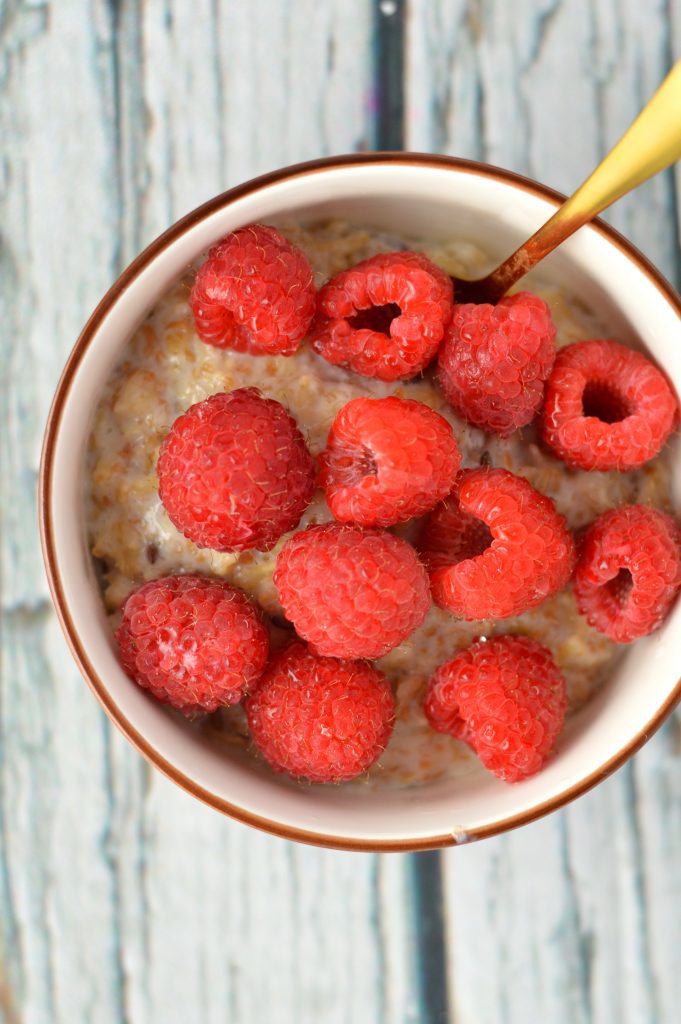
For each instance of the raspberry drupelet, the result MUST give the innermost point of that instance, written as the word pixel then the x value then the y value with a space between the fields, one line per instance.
pixel 234 472
pixel 351 593
pixel 495 547
pixel 385 317
pixel 387 460
pixel 506 698
pixel 629 571
pixel 607 407
pixel 195 643
pixel 254 293
pixel 319 718
pixel 494 361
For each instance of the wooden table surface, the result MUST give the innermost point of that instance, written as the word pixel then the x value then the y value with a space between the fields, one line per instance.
pixel 122 899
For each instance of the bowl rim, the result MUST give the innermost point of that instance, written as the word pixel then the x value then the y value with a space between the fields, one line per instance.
pixel 46 487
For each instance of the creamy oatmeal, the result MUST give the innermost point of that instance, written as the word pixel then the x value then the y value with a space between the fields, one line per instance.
pixel 166 368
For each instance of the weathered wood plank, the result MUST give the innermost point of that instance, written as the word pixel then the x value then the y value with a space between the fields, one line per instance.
pixel 59 237
pixel 571 919
pixel 122 899
pixel 213 94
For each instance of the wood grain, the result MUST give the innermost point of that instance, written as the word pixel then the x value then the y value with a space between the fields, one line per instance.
pixel 574 919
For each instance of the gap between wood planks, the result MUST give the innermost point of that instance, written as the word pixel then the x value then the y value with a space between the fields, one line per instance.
pixel 425 869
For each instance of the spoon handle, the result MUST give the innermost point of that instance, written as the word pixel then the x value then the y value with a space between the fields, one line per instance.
pixel 650 144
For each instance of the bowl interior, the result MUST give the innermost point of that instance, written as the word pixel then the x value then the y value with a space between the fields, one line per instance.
pixel 426 200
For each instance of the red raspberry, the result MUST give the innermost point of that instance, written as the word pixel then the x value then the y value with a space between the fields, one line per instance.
pixel 234 472
pixel 194 642
pixel 351 593
pixel 506 698
pixel 495 547
pixel 387 460
pixel 254 293
pixel 494 360
pixel 385 317
pixel 628 572
pixel 319 718
pixel 607 407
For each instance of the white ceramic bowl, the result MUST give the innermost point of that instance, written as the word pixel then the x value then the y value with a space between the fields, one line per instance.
pixel 420 195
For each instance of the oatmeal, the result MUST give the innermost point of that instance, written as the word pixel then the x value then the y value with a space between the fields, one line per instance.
pixel 166 368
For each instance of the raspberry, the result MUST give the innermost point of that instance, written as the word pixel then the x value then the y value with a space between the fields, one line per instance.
pixel 387 460
pixel 628 572
pixel 506 698
pixel 495 547
pixel 385 317
pixel 494 360
pixel 607 407
pixel 319 718
pixel 351 593
pixel 234 472
pixel 193 642
pixel 254 293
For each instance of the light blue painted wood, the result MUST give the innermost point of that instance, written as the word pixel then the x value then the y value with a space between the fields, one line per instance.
pixel 120 898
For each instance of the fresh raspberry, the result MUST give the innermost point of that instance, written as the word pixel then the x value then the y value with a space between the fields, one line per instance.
pixel 494 360
pixel 607 407
pixel 506 698
pixel 628 572
pixel 351 593
pixel 384 317
pixel 254 293
pixel 193 642
pixel 234 472
pixel 495 547
pixel 319 718
pixel 387 460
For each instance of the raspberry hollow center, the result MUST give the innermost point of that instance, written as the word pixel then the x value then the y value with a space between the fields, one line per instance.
pixel 375 318
pixel 619 587
pixel 469 539
pixel 605 402
pixel 474 541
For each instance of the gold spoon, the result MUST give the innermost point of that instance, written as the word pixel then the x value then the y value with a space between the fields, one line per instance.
pixel 650 144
